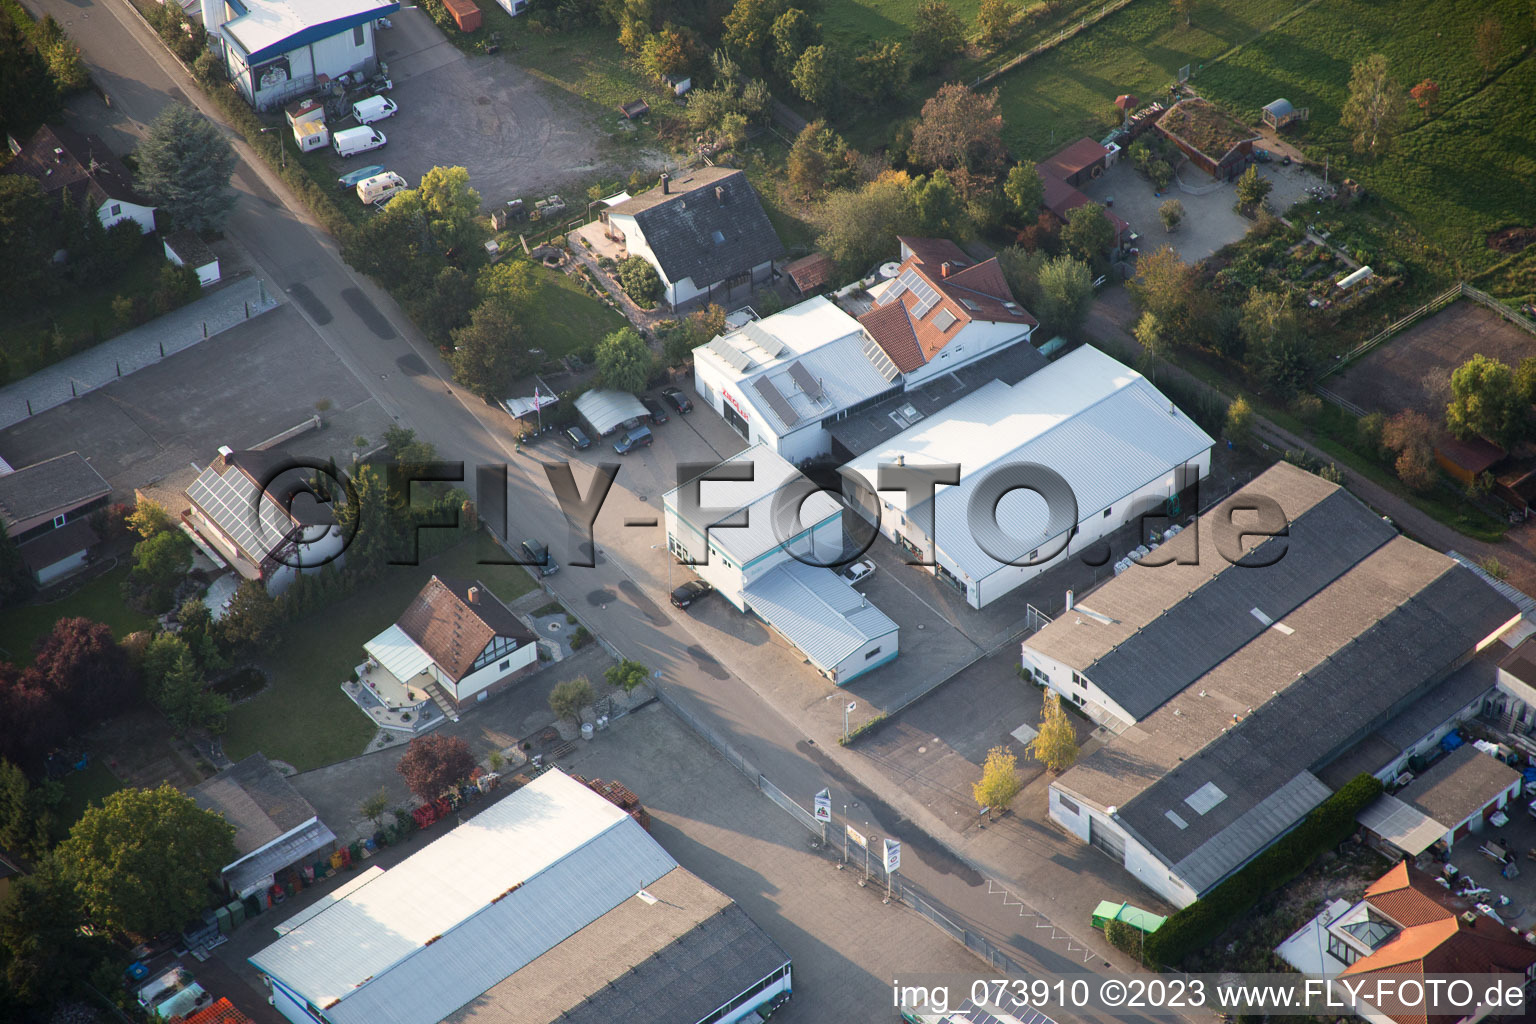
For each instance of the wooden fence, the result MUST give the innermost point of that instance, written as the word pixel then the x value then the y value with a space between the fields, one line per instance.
pixel 1056 40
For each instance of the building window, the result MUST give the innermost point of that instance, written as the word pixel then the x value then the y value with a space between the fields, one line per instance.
pixel 357 35
pixel 871 654
pixel 60 520
pixel 117 208
pixel 505 665
pixel 1034 554
pixel 1078 680
pixel 1108 511
pixel 1068 805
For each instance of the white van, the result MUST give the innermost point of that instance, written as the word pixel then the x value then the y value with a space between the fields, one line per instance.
pixel 352 141
pixel 374 108
pixel 380 186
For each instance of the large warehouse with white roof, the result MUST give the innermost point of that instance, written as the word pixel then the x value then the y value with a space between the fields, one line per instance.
pixel 550 905
pixel 274 50
pixel 1121 446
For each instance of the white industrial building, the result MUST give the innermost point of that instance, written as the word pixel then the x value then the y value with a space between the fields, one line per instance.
pixel 1121 446
pixel 274 50
pixel 552 904
pixel 775 565
pixel 782 380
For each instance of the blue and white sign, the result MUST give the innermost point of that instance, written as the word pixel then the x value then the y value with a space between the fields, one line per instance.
pixel 824 806
pixel 892 856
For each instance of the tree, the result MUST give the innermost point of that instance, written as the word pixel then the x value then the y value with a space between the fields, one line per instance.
pixel 860 225
pixel 451 208
pixel 938 35
pixel 640 281
pixel 937 206
pixel 1252 188
pixel 29 223
pixel 671 51
pixel 1486 402
pixel 627 675
pixel 1525 379
pixel 881 71
pixel 16 580
pixel 148 518
pixel 81 663
pixel 1066 293
pixel 818 159
pixel 1162 284
pixel 1184 9
pixel 1088 234
pixel 569 697
pixel 392 246
pixel 375 807
pixel 1149 334
pixel 1171 212
pixel 433 763
pixel 748 32
pixel 1055 746
pixel 184 166
pixel 186 701
pixel 995 20
pixel 1488 42
pixel 36 719
pixel 161 655
pixel 793 33
pixel 25 817
pixel 160 564
pixel 144 860
pixel 1238 425
pixel 1375 106
pixel 512 283
pixel 252 614
pixel 959 128
pixel 815 75
pixel 1411 435
pixel 1024 189
pixel 489 352
pixel 1282 355
pixel 45 951
pixel 1426 94
pixel 999 783
pixel 1021 269
pixel 623 361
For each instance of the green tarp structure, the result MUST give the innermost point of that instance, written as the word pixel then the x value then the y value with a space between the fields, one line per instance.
pixel 1108 911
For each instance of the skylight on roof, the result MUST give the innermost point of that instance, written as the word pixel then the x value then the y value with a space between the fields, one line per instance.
pixel 1176 819
pixel 944 320
pixel 719 238
pixel 1204 799
pixel 969 304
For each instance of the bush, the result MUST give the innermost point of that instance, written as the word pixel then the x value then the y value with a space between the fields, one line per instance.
pixel 1198 924
pixel 1127 938
pixel 640 281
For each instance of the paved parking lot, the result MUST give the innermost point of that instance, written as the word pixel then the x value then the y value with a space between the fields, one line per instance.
pixel 238 388
pixel 516 135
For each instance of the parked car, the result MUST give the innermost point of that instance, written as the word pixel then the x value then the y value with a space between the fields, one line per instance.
pixel 381 186
pixel 578 437
pixel 539 555
pixel 679 401
pixel 857 572
pixel 636 437
pixel 690 592
pixel 656 409
pixel 351 178
pixel 374 108
pixel 353 141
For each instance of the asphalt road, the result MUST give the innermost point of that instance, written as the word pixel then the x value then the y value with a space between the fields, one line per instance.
pixel 373 338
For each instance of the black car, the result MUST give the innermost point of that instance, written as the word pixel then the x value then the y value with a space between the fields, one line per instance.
pixel 578 438
pixel 539 556
pixel 656 409
pixel 679 401
pixel 690 592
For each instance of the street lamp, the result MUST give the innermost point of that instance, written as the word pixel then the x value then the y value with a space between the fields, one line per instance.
pixel 847 708
pixel 282 151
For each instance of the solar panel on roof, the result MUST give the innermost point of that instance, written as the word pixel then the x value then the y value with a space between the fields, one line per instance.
pixel 733 356
pixel 233 501
pixel 878 359
pixel 926 297
pixel 776 400
pixel 810 385
pixel 762 338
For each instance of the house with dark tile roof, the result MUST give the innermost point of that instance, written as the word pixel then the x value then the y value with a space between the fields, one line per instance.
pixel 45 508
pixel 63 161
pixel 1069 168
pixel 704 231
pixel 253 511
pixel 455 644
pixel 943 310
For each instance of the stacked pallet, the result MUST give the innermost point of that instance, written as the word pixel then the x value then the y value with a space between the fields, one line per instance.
pixel 620 796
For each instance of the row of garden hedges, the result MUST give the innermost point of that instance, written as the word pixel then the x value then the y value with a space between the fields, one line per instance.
pixel 1198 924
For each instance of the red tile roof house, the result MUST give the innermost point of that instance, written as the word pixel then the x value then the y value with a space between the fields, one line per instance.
pixel 943 311
pixel 456 644
pixel 1062 173
pixel 61 160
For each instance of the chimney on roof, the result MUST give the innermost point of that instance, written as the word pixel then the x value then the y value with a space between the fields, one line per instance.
pixel 901 460
pixel 720 194
pixel 666 183
pixel 474 595
pixel 945 268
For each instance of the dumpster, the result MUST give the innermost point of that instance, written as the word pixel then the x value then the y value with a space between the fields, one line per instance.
pixel 465 14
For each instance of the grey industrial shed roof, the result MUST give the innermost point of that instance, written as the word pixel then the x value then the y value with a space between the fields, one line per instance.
pixel 708 227
pixel 817 611
pixel 1458 785
pixel 49 488
pixel 254 797
pixel 674 960
pixel 741 520
pixel 1351 691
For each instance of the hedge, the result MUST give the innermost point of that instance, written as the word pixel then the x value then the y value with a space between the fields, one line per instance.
pixel 1198 924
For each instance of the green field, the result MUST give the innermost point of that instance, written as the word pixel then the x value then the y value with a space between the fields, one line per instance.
pixel 1069 92
pixel 100 599
pixel 1457 175
pixel 569 319
pixel 303 717
pixel 850 20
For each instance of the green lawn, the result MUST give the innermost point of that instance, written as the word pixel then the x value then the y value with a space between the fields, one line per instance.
pixel 82 790
pixel 568 319
pixel 99 599
pixel 1456 175
pixel 303 717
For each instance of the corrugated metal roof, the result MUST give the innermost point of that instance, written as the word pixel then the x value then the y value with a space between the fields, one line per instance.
pixel 398 653
pixel 747 529
pixel 1084 403
pixel 817 611
pixel 1253 830
pixel 509 883
pixel 1406 828
pixel 607 410
pixel 298 845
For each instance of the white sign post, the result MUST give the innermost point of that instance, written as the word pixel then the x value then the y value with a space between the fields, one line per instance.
pixel 823 812
pixel 848 709
pixel 849 832
pixel 892 864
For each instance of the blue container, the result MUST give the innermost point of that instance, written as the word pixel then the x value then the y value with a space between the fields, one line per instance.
pixel 1452 741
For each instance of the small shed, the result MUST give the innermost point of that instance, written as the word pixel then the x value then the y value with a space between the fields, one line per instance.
pixel 1280 113
pixel 809 274
pixel 1108 911
pixel 1467 460
pixel 185 249
pixel 1077 163
pixel 465 13
pixel 605 411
